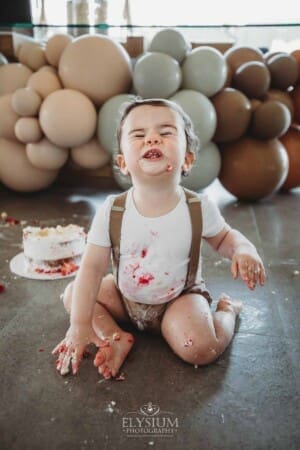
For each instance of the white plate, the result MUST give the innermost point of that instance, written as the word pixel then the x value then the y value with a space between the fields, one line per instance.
pixel 17 266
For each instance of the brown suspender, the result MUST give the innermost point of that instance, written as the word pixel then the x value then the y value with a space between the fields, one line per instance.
pixel 194 205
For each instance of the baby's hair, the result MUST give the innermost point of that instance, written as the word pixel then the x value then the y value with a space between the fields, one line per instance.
pixel 192 140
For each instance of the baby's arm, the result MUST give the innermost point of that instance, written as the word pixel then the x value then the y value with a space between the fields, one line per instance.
pixel 86 286
pixel 246 262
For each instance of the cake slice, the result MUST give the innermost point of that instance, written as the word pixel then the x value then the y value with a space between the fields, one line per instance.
pixel 53 250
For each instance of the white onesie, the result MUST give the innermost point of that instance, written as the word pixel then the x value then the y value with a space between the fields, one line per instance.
pixel 154 250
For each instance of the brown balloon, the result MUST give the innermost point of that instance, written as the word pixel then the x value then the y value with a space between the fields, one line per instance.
pixel 252 78
pixel 295 96
pixel 296 55
pixel 281 96
pixel 238 55
pixel 291 142
pixel 284 70
pixel 270 120
pixel 254 103
pixel 233 111
pixel 252 169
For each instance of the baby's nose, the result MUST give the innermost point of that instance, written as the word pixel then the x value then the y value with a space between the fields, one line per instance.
pixel 153 139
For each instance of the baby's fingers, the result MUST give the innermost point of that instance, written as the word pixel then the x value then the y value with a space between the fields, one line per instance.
pixel 234 269
pixel 262 275
pixel 61 347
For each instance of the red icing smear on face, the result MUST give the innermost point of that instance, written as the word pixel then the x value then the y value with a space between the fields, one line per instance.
pixel 145 279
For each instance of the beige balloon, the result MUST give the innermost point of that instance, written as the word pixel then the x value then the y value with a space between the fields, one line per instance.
pixel 24 50
pixel 97 66
pixel 68 118
pixel 90 155
pixel 36 58
pixel 46 155
pixel 48 68
pixel 44 82
pixel 17 173
pixel 55 46
pixel 12 77
pixel 26 101
pixel 8 117
pixel 28 129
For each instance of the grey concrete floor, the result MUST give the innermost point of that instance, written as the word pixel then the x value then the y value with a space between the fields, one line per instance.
pixel 248 399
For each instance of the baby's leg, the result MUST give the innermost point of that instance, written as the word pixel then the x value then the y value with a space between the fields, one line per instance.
pixel 108 296
pixel 194 333
pixel 117 343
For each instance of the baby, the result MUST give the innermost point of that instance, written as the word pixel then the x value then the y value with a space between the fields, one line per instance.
pixel 154 231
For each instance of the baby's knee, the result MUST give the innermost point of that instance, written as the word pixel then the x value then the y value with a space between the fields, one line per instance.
pixel 198 353
pixel 67 296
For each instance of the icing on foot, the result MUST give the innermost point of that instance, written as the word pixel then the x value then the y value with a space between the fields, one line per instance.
pixel 113 353
pixel 225 303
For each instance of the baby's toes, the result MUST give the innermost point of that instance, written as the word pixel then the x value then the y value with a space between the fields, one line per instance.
pixel 99 358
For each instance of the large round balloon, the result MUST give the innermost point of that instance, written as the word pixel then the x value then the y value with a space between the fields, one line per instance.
pixel 68 118
pixel 201 111
pixel 45 155
pixel 156 75
pixel 108 119
pixel 204 70
pixel 280 96
pixel 205 169
pixel 252 78
pixel 97 66
pixel 238 55
pixel 90 155
pixel 8 117
pixel 233 111
pixel 12 77
pixel 270 119
pixel 55 46
pixel 26 101
pixel 171 42
pixel 284 70
pixel 253 169
pixel 17 173
pixel 291 142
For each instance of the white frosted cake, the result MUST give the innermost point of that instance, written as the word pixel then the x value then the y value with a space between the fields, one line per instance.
pixel 53 250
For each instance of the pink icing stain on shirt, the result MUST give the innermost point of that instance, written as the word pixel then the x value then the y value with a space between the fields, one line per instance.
pixel 144 252
pixel 145 280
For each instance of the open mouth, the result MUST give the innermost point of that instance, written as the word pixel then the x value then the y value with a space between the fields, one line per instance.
pixel 153 153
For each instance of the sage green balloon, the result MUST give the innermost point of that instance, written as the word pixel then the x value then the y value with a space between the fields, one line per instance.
pixel 108 119
pixel 156 75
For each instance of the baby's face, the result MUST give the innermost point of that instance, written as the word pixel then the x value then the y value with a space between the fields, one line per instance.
pixel 153 142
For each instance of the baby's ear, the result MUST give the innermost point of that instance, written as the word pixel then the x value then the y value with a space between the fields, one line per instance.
pixel 189 159
pixel 121 164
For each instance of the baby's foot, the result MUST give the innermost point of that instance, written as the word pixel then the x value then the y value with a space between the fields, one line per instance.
pixel 225 303
pixel 112 353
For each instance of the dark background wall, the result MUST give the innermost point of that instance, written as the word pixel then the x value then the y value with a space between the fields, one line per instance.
pixel 15 11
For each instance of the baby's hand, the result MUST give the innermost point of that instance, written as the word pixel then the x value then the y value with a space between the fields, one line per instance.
pixel 71 349
pixel 247 263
